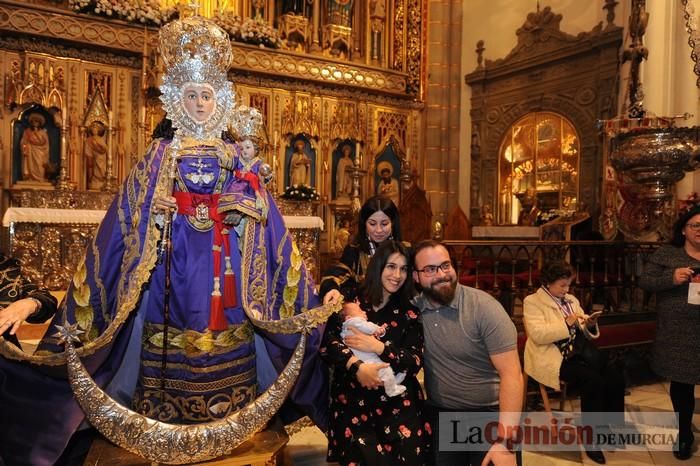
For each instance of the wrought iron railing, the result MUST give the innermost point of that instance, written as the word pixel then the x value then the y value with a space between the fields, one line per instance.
pixel 607 272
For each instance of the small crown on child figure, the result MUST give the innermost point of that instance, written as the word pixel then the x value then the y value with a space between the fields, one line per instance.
pixel 247 123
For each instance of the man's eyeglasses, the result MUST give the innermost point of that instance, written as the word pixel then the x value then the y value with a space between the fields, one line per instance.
pixel 693 226
pixel 430 270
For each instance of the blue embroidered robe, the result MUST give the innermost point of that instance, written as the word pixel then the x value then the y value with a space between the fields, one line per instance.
pixel 117 299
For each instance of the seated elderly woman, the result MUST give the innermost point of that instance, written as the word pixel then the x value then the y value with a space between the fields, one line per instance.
pixel 558 348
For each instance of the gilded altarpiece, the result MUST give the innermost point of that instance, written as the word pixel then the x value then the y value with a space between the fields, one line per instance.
pixel 329 120
pixel 548 71
pixel 44 73
pixel 105 87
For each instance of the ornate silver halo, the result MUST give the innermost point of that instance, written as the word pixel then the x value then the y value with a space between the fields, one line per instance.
pixel 195 50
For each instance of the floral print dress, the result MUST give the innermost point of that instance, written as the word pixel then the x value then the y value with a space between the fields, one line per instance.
pixel 367 427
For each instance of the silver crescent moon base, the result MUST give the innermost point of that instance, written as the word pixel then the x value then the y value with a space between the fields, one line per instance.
pixel 171 443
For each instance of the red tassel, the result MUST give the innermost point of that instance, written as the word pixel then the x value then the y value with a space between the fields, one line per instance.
pixel 230 291
pixel 217 319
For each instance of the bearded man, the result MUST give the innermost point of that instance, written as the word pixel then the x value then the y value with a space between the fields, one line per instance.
pixel 470 360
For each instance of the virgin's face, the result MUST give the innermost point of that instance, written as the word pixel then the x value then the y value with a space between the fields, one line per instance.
pixel 247 149
pixel 394 273
pixel 560 287
pixel 378 226
pixel 199 101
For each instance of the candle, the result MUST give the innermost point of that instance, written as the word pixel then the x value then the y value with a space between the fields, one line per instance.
pixel 274 140
pixel 358 154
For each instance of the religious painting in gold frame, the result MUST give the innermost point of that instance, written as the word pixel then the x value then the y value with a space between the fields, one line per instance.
pixel 538 167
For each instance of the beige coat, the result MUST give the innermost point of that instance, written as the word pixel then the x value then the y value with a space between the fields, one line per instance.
pixel 544 325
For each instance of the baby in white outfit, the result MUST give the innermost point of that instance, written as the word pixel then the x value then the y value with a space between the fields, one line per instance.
pixel 356 318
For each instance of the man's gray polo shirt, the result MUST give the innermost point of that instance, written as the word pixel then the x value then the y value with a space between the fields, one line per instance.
pixel 459 338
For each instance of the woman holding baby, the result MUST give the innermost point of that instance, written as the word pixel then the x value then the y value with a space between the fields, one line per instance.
pixel 376 407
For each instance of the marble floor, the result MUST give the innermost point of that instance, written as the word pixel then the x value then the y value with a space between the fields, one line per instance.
pixel 308 447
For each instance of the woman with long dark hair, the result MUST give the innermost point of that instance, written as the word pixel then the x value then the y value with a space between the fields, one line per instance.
pixel 368 426
pixel 379 221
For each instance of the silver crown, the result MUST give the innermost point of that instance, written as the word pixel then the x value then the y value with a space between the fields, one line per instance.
pixel 247 123
pixel 196 39
pixel 196 51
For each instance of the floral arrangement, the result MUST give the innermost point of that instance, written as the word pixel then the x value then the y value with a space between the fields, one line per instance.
pixel 546 216
pixel 688 203
pixel 300 193
pixel 254 31
pixel 551 214
pixel 144 11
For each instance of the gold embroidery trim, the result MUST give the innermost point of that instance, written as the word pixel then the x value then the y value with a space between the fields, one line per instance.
pixel 191 408
pixel 191 342
pixel 201 370
pixel 129 289
pixel 301 322
pixel 259 313
pixel 199 387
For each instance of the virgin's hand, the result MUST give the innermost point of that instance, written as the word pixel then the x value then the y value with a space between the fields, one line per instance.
pixel 163 204
pixel 233 218
pixel 13 315
pixel 332 297
pixel 363 342
pixel 682 275
pixel 368 374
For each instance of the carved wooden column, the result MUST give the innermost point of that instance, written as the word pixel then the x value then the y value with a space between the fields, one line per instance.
pixel 316 34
